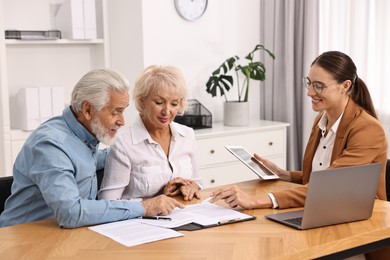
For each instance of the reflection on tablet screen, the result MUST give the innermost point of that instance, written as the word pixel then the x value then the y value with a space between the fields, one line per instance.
pixel 258 165
pixel 251 161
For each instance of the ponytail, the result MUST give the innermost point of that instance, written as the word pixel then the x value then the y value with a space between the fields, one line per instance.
pixel 361 96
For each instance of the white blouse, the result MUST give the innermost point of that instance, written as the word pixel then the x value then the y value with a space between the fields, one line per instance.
pixel 137 167
pixel 321 159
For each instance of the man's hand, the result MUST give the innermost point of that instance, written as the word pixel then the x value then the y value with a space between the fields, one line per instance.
pixel 160 205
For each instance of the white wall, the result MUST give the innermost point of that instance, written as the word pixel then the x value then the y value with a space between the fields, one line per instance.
pixel 151 32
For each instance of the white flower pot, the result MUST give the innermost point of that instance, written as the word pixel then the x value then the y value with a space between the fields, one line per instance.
pixel 236 113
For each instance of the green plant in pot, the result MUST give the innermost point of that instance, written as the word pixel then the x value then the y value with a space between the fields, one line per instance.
pixel 224 77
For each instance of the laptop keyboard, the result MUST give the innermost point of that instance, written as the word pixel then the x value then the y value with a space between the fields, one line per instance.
pixel 295 221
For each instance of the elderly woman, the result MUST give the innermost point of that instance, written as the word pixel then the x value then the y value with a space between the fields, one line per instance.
pixel 154 155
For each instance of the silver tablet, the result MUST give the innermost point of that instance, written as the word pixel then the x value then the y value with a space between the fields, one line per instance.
pixel 255 165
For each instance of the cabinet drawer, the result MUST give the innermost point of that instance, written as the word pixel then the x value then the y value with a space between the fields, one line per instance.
pixel 225 174
pixel 266 143
pixel 230 173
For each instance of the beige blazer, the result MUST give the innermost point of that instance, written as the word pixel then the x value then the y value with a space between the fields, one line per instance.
pixel 360 139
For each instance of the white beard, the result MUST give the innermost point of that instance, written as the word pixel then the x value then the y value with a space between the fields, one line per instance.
pixel 101 132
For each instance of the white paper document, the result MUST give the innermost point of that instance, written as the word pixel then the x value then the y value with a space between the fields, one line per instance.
pixel 132 233
pixel 205 214
pixel 177 219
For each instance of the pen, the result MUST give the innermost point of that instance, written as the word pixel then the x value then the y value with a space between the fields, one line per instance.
pixel 228 221
pixel 156 218
pixel 208 199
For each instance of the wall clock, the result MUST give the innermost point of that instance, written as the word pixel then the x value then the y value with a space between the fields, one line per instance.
pixel 190 9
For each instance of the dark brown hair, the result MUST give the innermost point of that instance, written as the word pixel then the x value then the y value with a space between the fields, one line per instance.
pixel 342 68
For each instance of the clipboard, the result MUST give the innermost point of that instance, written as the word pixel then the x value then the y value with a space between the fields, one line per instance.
pixel 196 226
pixel 199 216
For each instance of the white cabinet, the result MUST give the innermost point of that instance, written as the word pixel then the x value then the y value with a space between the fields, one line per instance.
pixel 218 167
pixel 41 63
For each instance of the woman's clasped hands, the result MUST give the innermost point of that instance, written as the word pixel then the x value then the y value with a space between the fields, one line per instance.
pixel 188 188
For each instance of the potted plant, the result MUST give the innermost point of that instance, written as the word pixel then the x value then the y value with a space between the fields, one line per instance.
pixel 222 80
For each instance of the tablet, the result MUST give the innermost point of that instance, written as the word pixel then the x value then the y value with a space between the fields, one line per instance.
pixel 255 165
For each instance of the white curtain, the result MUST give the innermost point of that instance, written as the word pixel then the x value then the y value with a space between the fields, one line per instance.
pixel 290 30
pixel 361 28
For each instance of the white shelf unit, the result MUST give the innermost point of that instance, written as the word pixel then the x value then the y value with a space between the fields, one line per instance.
pixel 218 167
pixel 53 42
pixel 35 63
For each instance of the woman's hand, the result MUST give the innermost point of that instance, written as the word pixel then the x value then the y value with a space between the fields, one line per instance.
pixel 190 191
pixel 235 197
pixel 283 174
pixel 177 186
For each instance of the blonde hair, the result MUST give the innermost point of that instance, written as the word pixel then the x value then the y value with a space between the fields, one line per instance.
pixel 163 79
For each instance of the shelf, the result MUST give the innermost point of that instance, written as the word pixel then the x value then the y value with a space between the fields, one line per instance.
pixel 53 42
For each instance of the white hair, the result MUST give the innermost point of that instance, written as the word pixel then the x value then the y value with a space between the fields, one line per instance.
pixel 95 87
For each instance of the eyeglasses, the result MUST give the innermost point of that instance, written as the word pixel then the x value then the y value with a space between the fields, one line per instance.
pixel 317 86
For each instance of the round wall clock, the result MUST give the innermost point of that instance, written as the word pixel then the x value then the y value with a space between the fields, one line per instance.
pixel 190 9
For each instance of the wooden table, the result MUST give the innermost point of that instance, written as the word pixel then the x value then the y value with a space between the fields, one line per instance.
pixel 257 239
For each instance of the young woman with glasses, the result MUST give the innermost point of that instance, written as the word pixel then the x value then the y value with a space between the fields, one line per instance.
pixel 346 132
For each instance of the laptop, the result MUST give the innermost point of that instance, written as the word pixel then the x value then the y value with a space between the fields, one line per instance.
pixel 335 196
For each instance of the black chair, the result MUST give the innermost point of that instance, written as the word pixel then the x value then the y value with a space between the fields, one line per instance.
pixel 5 190
pixel 388 179
pixel 99 175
